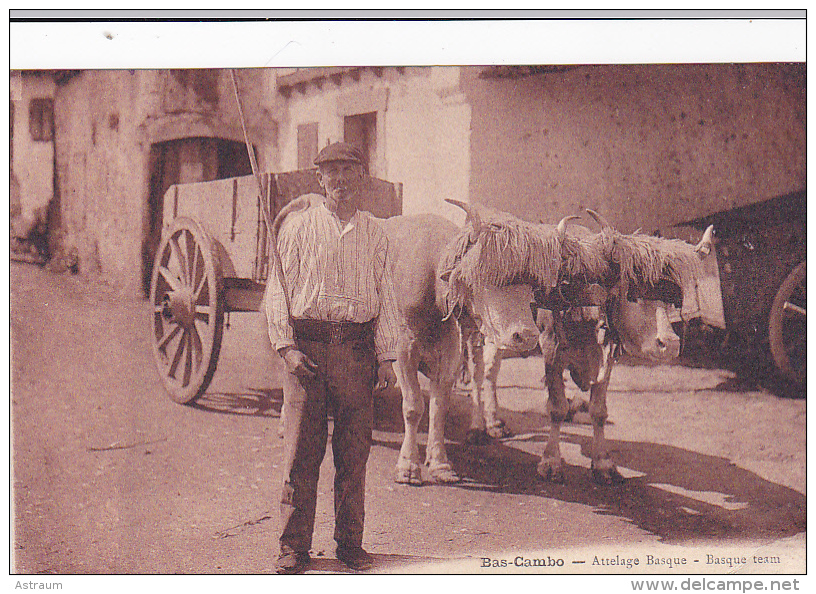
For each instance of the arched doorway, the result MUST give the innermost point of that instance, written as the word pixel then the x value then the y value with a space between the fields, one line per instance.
pixel 185 160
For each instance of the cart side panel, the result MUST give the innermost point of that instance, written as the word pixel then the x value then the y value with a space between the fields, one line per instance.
pixel 292 184
pixel 758 246
pixel 228 210
pixel 753 265
pixel 379 197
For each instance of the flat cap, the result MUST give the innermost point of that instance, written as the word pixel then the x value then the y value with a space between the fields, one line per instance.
pixel 339 151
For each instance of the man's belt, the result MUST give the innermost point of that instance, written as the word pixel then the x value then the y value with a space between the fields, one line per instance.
pixel 332 332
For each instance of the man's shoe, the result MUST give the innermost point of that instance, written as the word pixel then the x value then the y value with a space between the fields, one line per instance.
pixel 355 557
pixel 290 562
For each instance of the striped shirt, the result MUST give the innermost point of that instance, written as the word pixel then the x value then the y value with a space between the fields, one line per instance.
pixel 333 274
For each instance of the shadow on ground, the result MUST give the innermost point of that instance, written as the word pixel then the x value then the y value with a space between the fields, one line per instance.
pixel 745 506
pixel 267 402
pixel 710 348
pixel 253 402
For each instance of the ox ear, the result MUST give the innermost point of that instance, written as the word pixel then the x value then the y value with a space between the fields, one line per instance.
pixel 472 215
pixel 451 302
pixel 703 248
pixel 452 254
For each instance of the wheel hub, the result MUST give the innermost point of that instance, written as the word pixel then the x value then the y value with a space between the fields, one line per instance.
pixel 178 307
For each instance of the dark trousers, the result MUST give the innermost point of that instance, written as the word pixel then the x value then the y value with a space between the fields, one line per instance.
pixel 343 387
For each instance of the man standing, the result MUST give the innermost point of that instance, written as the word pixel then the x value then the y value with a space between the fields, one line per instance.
pixel 343 321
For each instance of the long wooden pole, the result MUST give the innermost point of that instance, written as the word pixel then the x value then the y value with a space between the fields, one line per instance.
pixel 273 240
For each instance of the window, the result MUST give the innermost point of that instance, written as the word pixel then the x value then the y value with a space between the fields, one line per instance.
pixel 41 119
pixel 307 145
pixel 361 131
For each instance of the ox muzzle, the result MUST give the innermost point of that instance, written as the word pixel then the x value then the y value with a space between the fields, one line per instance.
pixel 505 316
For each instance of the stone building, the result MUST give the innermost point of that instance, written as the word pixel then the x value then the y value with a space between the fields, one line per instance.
pixel 122 138
pixel 31 152
pixel 649 146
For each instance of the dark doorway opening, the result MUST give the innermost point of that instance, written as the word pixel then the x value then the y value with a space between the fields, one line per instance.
pixel 185 160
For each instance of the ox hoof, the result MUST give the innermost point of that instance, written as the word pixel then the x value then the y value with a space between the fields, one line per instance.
pixel 499 430
pixel 550 471
pixel 477 437
pixel 607 475
pixel 409 475
pixel 443 473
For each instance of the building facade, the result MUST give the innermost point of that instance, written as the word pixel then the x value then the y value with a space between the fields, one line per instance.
pixel 31 151
pixel 649 146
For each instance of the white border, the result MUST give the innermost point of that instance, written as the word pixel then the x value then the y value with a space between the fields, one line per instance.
pixel 36 45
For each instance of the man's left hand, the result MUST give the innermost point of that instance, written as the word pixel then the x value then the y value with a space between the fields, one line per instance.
pixel 386 378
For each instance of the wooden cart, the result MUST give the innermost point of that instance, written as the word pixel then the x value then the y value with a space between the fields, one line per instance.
pixel 214 258
pixel 762 252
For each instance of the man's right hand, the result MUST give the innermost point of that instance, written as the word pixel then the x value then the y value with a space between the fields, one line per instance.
pixel 298 363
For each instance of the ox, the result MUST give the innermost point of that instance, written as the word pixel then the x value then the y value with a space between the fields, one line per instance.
pixel 452 282
pixel 591 318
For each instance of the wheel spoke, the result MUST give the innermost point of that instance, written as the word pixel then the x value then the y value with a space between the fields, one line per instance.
pixel 188 362
pixel 170 278
pixel 200 287
pixel 198 346
pixel 202 328
pixel 175 248
pixel 194 267
pixel 168 337
pixel 793 308
pixel 177 356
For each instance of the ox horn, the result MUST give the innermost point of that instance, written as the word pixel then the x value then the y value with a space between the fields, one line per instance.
pixel 599 219
pixel 703 248
pixel 561 228
pixel 472 214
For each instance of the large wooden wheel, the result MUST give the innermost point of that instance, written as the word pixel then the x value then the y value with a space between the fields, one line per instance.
pixel 187 318
pixel 787 326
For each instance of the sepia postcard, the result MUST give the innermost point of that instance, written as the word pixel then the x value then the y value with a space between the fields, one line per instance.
pixel 596 227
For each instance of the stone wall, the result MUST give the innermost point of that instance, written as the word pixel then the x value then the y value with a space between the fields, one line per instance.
pixel 106 123
pixel 32 160
pixel 646 145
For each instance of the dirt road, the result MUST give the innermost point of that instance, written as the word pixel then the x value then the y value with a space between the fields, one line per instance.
pixel 111 476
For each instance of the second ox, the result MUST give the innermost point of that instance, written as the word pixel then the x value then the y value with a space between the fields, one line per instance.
pixel 618 302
